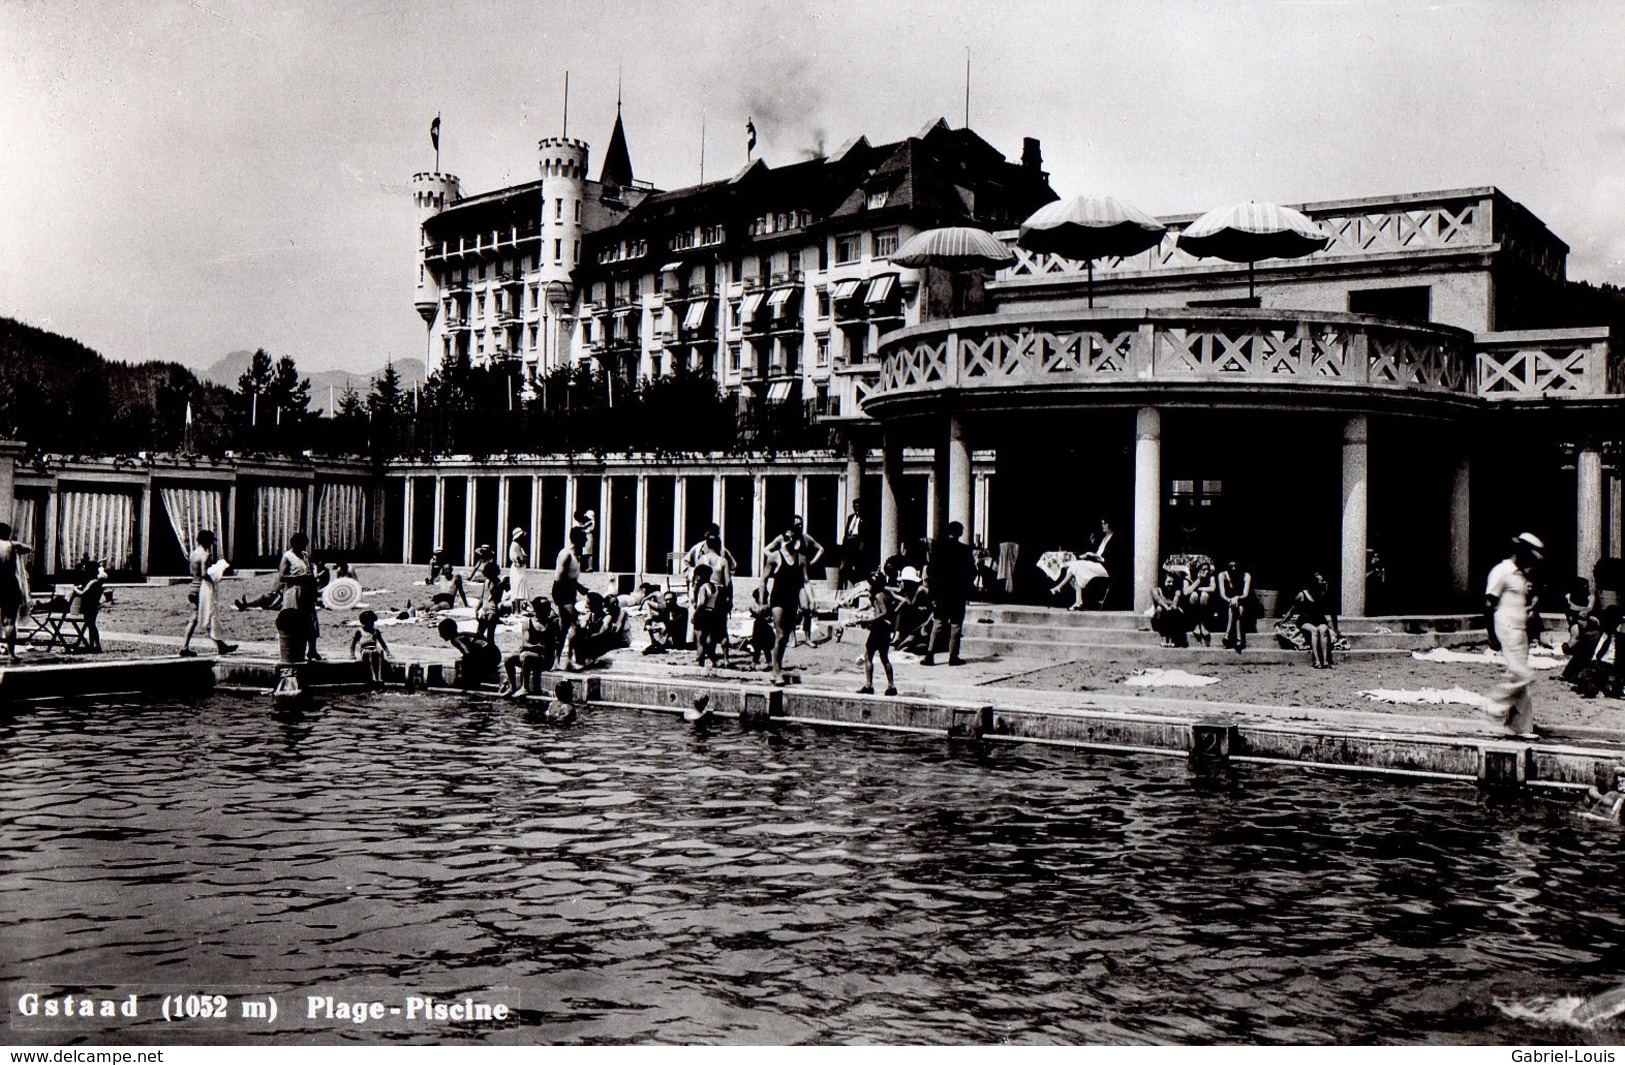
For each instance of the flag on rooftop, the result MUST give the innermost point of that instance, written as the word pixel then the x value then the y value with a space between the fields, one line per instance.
pixel 750 136
pixel 434 133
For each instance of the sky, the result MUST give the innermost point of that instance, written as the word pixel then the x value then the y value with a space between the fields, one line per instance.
pixel 181 179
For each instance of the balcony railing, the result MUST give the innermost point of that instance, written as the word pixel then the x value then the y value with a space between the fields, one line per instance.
pixel 1548 364
pixel 1244 348
pixel 1466 219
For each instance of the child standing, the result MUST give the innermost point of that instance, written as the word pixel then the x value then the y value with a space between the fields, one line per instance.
pixel 368 645
pixel 705 617
pixel 882 610
pixel 761 628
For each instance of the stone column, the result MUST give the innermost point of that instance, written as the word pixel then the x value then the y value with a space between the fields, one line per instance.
pixel 959 480
pixel 854 478
pixel 407 516
pixel 1147 504
pixel 570 509
pixel 606 511
pixel 758 521
pixel 891 484
pixel 229 518
pixel 1588 511
pixel 1461 527
pixel 500 544
pixel 1615 513
pixel 642 526
pixel 534 526
pixel 1354 516
pixel 10 451
pixel 679 521
pixel 143 524
pixel 800 500
pixel 471 532
pixel 439 514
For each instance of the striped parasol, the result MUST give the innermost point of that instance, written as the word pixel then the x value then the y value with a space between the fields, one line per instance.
pixel 953 248
pixel 1248 232
pixel 1087 228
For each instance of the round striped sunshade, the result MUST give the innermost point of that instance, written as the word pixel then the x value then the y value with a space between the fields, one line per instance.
pixel 953 248
pixel 1247 232
pixel 1090 227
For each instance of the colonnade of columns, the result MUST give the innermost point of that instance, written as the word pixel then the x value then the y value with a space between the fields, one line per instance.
pixel 958 504
pixel 652 553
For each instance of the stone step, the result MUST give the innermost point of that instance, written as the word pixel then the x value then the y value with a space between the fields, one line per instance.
pixel 1044 635
pixel 1059 617
pixel 1258 651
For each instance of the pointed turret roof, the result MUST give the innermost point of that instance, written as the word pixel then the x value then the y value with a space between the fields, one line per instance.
pixel 617 169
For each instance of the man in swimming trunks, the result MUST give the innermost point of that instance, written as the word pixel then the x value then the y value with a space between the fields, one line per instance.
pixel 11 585
pixel 566 589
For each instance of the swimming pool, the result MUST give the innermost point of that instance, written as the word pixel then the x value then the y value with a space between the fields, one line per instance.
pixel 631 879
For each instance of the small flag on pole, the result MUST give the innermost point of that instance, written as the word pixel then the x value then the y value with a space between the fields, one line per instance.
pixel 434 133
pixel 750 136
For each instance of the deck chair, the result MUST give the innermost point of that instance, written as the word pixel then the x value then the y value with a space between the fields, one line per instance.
pixel 59 621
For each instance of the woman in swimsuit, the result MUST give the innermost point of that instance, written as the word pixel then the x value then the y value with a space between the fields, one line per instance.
pixel 786 576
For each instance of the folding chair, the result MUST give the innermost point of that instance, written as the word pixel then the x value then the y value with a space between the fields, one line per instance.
pixel 59 621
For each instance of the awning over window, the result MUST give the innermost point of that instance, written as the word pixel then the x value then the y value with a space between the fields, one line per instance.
pixel 751 307
pixel 779 391
pixel 779 298
pixel 880 289
pixel 696 314
pixel 671 268
pixel 845 290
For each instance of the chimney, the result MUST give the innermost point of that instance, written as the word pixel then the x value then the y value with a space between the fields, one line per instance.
pixel 1032 157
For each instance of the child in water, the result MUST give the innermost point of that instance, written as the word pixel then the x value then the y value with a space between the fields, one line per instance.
pixel 879 623
pixel 478 658
pixel 368 645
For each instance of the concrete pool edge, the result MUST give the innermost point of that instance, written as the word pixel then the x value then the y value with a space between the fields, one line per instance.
pixel 1212 733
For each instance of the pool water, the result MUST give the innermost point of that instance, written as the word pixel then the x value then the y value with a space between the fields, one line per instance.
pixel 631 879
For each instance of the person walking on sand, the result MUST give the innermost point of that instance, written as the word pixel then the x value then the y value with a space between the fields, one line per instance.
pixel 1509 602
pixel 206 569
pixel 12 590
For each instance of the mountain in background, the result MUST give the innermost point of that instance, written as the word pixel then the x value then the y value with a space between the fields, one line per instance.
pixel 323 383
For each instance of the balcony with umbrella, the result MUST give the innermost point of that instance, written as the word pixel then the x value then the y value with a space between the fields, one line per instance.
pixel 1086 228
pixel 956 251
pixel 1248 232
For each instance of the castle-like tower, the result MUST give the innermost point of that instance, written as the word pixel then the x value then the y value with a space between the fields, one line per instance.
pixel 563 163
pixel 431 193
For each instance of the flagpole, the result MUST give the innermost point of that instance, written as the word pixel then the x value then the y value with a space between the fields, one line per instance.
pixel 702 146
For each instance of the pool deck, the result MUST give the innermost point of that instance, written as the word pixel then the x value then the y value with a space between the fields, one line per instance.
pixel 975 702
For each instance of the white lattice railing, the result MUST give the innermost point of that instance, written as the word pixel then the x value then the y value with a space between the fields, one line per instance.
pixel 1446 224
pixel 1548 364
pixel 1249 348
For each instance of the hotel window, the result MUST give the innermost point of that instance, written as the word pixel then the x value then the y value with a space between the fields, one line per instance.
pixel 578 251
pixel 558 209
pixel 885 243
pixel 821 355
pixel 420 273
pixel 558 251
pixel 847 248
pixel 479 305
pixel 733 358
pixel 823 304
pixel 878 200
pixel 533 338
pixel 794 259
